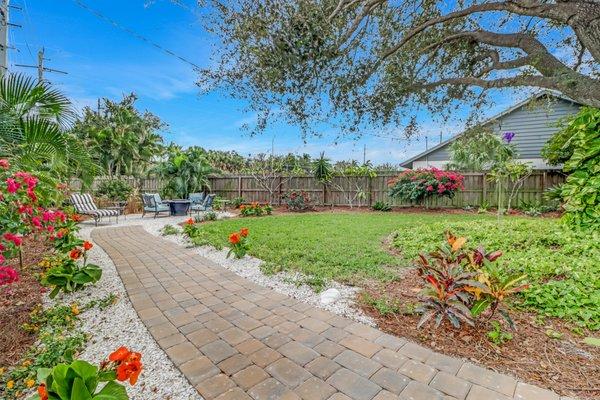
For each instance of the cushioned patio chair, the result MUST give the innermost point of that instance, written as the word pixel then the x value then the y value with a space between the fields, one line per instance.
pixel 196 198
pixel 154 204
pixel 84 204
pixel 205 205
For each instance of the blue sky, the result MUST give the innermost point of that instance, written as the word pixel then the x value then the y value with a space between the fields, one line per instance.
pixel 104 61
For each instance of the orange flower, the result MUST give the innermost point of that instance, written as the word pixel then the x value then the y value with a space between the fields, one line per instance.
pixel 42 392
pixel 76 218
pixel 244 232
pixel 129 370
pixel 190 221
pixel 120 354
pixel 234 238
pixel 87 245
pixel 75 253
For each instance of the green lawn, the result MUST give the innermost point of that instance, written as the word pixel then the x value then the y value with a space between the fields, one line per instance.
pixel 563 266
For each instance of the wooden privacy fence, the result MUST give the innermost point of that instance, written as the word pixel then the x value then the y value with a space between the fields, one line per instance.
pixel 478 189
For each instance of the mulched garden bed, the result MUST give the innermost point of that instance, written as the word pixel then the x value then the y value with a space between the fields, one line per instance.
pixel 17 300
pixel 565 365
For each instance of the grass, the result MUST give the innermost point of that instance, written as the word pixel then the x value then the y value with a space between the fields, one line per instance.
pixel 563 266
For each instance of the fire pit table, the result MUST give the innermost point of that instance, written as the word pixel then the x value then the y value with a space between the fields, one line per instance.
pixel 179 207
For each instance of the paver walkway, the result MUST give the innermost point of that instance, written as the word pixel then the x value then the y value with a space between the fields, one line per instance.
pixel 234 339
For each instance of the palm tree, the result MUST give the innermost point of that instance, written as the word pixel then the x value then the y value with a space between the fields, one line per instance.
pixel 185 172
pixel 33 119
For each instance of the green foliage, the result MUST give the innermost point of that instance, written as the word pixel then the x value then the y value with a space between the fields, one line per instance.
pixel 59 339
pixel 383 304
pixel 168 230
pixel 255 210
pixel 581 190
pixel 535 208
pixel 209 216
pixel 497 336
pixel 322 169
pixel 298 201
pixel 69 276
pixel 239 244
pixel 483 207
pixel 237 202
pixel 121 139
pixel 184 171
pixel 478 150
pixel 562 266
pixel 33 120
pixel 509 177
pixel 382 206
pixel 114 189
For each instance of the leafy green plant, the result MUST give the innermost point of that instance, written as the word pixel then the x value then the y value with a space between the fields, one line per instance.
pixel 238 243
pixel 298 201
pixel 114 190
pixel 168 230
pixel 70 276
pixel 80 379
pixel 497 336
pixel 236 202
pixel 383 304
pixel 255 210
pixel 479 149
pixel 382 206
pixel 209 216
pixel 581 190
pixel 483 207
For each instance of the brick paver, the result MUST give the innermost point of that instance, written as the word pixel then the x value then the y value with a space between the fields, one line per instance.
pixel 234 339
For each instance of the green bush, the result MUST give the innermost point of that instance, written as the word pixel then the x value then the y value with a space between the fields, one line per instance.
pixel 581 190
pixel 115 190
pixel 382 206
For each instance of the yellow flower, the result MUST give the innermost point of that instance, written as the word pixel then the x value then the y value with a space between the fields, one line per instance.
pixel 74 309
pixel 10 384
pixel 30 383
pixel 26 363
pixel 2 371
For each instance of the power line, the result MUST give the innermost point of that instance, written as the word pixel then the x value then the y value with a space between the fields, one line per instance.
pixel 40 66
pixel 136 35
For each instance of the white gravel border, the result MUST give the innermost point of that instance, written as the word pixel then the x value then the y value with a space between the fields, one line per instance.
pixel 119 325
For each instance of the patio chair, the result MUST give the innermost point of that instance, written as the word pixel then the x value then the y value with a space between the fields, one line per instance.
pixel 154 204
pixel 196 198
pixel 205 205
pixel 84 204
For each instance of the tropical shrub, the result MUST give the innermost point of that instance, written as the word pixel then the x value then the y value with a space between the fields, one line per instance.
pixel 80 379
pixel 421 184
pixel 237 202
pixel 382 206
pixel 298 200
pixel 238 243
pixel 462 284
pixel 114 190
pixel 581 190
pixel 255 209
pixel 209 216
pixel 168 230
pixel 70 276
pixel 479 149
pixel 184 171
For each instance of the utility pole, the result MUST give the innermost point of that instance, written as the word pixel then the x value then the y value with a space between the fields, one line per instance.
pixel 3 36
pixel 40 66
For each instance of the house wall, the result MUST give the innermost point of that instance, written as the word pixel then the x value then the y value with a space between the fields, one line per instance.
pixel 533 127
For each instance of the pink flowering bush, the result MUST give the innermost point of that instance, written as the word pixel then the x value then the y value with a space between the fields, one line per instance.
pixel 420 184
pixel 22 212
pixel 8 275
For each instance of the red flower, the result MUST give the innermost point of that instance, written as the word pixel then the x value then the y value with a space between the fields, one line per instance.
pixel 76 218
pixel 16 239
pixel 429 188
pixel 4 164
pixel 190 221
pixel 87 245
pixel 42 392
pixel 75 254
pixel 244 232
pixel 234 238
pixel 8 275
pixel 11 185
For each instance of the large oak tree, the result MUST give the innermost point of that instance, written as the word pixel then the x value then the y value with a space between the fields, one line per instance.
pixel 358 62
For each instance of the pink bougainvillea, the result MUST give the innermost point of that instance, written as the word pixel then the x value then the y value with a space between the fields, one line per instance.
pixel 420 184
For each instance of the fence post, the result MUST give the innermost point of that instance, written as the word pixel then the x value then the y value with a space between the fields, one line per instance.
pixel 483 188
pixel 370 188
pixel 324 194
pixel 240 186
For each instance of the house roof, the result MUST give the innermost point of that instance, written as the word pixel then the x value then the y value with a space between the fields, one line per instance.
pixel 496 117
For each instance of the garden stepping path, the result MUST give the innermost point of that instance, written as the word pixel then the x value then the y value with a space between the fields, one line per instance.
pixel 234 339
